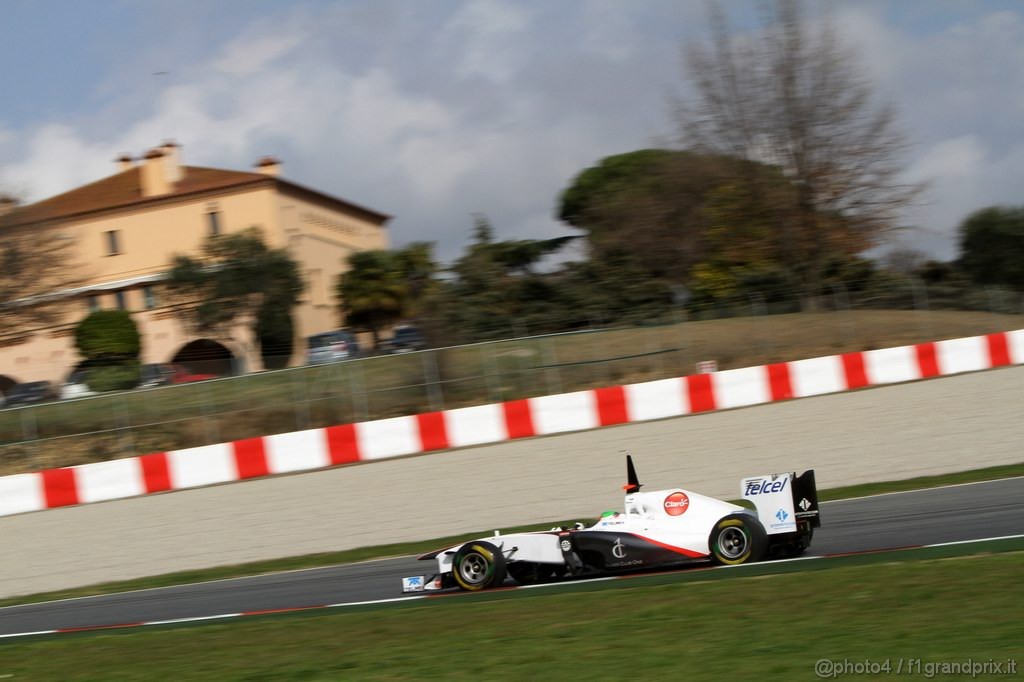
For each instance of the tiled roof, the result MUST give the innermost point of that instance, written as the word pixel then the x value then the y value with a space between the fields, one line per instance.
pixel 124 189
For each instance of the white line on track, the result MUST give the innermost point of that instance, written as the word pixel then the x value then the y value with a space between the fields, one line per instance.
pixel 376 601
pixel 405 556
pixel 207 582
pixel 29 634
pixel 193 619
pixel 426 596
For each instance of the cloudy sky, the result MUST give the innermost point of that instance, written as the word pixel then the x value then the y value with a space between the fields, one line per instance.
pixel 432 110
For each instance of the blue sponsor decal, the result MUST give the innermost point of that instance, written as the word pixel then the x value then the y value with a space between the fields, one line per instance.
pixel 781 515
pixel 414 582
pixel 759 486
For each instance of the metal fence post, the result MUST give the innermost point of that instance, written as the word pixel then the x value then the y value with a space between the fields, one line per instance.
pixel 684 348
pixel 360 405
pixel 209 417
pixel 654 355
pixel 29 427
pixel 600 359
pixel 125 432
pixel 921 303
pixel 551 360
pixel 432 380
pixel 841 299
pixel 991 300
pixel 486 362
pixel 300 402
pixel 759 309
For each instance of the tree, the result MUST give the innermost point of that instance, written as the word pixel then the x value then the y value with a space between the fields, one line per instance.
pixel 110 344
pixel 275 331
pixel 792 95
pixel 383 287
pixel 496 291
pixel 615 289
pixel 684 219
pixel 904 260
pixel 992 246
pixel 36 265
pixel 239 280
pixel 644 206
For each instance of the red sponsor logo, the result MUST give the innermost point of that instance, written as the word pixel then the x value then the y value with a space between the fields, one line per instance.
pixel 676 504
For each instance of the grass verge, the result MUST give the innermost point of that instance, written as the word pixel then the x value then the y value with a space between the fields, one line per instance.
pixel 766 627
pixel 402 549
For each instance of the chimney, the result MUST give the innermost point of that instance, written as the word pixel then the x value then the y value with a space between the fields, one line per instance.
pixel 269 165
pixel 7 204
pixel 172 161
pixel 124 162
pixel 154 175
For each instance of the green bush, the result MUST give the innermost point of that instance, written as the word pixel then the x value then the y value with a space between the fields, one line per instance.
pixel 108 334
pixel 109 342
pixel 114 377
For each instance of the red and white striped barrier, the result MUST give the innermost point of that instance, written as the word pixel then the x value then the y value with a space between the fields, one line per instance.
pixel 482 424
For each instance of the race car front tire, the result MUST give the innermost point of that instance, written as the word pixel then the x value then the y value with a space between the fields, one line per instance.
pixel 478 565
pixel 737 539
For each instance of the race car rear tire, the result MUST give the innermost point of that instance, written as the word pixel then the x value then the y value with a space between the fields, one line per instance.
pixel 528 573
pixel 737 539
pixel 478 565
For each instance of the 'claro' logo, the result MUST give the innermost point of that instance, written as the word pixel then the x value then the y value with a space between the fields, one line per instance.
pixel 676 504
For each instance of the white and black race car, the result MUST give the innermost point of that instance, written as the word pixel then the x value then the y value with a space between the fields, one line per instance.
pixel 655 529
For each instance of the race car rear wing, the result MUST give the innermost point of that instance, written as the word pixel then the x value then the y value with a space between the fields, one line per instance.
pixel 805 498
pixel 783 500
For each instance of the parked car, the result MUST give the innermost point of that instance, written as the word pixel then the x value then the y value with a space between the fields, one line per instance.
pixel 75 386
pixel 405 340
pixel 183 375
pixel 155 374
pixel 30 393
pixel 331 346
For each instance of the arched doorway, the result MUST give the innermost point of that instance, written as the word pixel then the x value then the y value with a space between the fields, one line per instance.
pixel 206 357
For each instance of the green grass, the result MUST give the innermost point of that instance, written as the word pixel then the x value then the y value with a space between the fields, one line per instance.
pixel 766 627
pixel 155 420
pixel 408 548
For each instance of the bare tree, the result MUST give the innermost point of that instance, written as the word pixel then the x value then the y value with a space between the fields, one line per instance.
pixel 38 270
pixel 904 260
pixel 793 95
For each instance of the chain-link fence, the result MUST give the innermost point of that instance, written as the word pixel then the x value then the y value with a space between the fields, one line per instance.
pixel 741 331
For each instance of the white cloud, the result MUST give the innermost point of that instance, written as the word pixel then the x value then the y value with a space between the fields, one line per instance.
pixel 496 105
pixel 428 156
pixel 487 35
pixel 951 160
pixel 959 93
pixel 246 57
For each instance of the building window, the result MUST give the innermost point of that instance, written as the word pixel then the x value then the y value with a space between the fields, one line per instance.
pixel 94 303
pixel 121 298
pixel 113 245
pixel 213 217
pixel 148 297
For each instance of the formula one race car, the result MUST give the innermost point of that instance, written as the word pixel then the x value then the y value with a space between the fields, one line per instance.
pixel 656 529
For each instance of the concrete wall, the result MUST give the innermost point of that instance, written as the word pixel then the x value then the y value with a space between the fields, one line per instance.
pixel 943 425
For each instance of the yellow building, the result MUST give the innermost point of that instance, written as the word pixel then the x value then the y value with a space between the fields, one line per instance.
pixel 126 228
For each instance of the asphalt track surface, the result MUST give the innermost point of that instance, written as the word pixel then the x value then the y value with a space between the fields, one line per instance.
pixel 949 514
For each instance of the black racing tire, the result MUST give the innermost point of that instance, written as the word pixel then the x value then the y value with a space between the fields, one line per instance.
pixel 478 565
pixel 737 539
pixel 528 573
